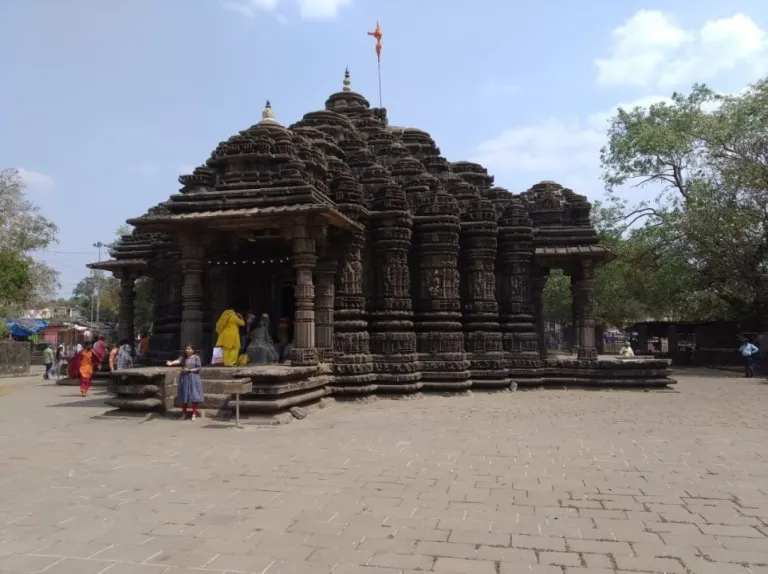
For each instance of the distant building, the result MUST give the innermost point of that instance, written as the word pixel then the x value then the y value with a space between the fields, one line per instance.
pixel 50 313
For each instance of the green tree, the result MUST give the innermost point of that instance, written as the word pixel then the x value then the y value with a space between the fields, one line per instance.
pixel 557 298
pixel 22 232
pixel 84 294
pixel 704 239
pixel 15 278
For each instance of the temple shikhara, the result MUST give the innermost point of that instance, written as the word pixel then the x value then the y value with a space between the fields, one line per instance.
pixel 396 270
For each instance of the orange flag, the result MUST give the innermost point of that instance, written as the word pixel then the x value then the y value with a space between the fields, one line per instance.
pixel 378 35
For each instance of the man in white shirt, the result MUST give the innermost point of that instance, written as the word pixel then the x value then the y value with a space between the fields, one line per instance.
pixel 748 352
pixel 626 350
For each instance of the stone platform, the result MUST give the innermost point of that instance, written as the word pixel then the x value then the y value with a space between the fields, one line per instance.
pixel 273 389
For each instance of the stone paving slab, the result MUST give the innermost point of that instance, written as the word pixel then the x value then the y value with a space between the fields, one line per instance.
pixel 537 482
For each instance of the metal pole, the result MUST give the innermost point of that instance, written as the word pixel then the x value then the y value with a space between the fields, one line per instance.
pixel 237 410
pixel 98 245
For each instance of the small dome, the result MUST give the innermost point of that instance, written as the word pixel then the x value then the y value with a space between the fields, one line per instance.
pixel 346 101
pixel 481 210
pixel 439 203
pixel 389 197
pixel 268 116
pixel 515 215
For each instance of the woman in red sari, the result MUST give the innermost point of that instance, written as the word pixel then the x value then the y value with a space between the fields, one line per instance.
pixel 82 367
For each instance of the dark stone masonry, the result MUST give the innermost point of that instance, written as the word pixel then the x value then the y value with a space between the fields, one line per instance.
pixel 399 270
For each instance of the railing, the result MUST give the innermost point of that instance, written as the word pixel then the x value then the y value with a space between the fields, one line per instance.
pixel 15 358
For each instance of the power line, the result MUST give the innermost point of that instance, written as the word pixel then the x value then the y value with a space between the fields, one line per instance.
pixel 73 252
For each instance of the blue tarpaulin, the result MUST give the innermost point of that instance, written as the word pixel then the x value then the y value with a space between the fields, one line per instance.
pixel 26 327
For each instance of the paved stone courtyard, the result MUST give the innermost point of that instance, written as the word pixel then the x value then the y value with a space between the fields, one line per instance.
pixel 538 482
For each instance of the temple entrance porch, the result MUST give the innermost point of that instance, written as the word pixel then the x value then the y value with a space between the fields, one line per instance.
pixel 580 263
pixel 278 261
pixel 256 278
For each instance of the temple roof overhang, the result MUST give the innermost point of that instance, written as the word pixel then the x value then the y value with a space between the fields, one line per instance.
pixel 249 218
pixel 118 264
pixel 596 253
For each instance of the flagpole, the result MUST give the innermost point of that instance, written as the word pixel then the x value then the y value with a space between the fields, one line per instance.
pixel 378 35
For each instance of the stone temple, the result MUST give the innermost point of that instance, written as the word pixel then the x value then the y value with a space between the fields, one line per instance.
pixel 401 271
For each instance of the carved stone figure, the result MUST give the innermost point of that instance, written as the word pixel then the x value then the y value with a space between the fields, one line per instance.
pixel 261 350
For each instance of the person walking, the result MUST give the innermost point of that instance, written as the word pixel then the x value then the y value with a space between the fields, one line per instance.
pixel 748 352
pixel 82 367
pixel 47 361
pixel 190 387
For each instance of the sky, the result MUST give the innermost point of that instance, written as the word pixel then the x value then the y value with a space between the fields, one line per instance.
pixel 106 102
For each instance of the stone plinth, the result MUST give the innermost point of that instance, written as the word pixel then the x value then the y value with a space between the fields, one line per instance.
pixel 143 389
pixel 610 373
pixel 273 389
pixel 277 388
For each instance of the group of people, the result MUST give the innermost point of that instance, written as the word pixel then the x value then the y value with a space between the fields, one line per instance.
pixel 88 358
pixel 242 340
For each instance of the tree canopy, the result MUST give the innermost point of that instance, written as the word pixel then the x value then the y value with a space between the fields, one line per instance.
pixel 23 231
pixel 699 249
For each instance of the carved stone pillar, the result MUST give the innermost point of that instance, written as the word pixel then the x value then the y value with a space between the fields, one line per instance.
pixel 324 299
pixel 538 281
pixel 583 303
pixel 440 338
pixel 518 326
pixel 127 302
pixel 192 253
pixel 392 337
pixel 575 343
pixel 352 365
pixel 304 260
pixel 482 335
pixel 352 361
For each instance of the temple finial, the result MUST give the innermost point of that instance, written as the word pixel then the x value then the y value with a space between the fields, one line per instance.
pixel 347 81
pixel 268 115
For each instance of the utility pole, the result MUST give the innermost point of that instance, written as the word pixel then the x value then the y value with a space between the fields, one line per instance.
pixel 97 291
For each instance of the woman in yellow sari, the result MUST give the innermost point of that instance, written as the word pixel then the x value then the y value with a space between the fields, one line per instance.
pixel 228 330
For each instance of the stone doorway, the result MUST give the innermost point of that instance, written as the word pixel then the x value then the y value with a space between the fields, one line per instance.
pixel 267 288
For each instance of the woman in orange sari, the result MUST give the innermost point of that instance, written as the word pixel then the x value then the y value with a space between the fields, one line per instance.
pixel 83 365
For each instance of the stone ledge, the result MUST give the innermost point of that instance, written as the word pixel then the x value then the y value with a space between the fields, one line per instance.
pixel 267 390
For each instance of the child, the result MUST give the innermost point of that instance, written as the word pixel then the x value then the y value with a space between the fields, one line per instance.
pixel 190 387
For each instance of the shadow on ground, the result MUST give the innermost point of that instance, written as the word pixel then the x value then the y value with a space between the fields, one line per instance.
pixel 93 401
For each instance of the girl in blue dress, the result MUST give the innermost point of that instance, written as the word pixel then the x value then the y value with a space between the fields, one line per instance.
pixel 190 387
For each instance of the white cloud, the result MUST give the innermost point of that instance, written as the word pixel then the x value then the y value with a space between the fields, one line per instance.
pixel 249 8
pixel 651 49
pixel 308 9
pixel 549 146
pixel 321 9
pixel 35 181
pixel 555 147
